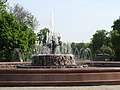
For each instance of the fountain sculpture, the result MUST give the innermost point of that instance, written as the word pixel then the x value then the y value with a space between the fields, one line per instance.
pixel 51 54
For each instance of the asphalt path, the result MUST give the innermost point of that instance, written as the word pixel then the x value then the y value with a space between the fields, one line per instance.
pixel 103 87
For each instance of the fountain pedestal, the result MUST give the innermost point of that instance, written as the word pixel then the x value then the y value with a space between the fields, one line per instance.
pixel 53 60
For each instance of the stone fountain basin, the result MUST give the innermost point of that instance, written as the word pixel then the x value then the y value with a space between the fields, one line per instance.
pixel 53 60
pixel 58 76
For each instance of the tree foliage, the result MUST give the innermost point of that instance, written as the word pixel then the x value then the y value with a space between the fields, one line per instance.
pixel 100 39
pixel 79 46
pixel 24 16
pixel 116 25
pixel 115 38
pixel 13 34
pixel 2 5
pixel 42 35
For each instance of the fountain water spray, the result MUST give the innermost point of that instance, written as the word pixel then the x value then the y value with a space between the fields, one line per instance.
pixel 52 53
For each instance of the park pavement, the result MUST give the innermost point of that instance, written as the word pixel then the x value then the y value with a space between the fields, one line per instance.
pixel 103 87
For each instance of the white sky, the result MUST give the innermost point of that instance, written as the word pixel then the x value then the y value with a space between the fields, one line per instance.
pixel 75 20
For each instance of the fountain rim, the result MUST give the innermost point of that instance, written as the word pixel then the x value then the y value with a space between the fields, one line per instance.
pixel 52 55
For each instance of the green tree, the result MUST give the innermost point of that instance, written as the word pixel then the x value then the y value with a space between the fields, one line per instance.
pixel 24 16
pixel 99 39
pixel 73 46
pixel 116 25
pixel 13 34
pixel 79 46
pixel 42 35
pixel 3 5
pixel 115 38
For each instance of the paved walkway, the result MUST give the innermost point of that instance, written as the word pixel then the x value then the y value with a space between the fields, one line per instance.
pixel 103 87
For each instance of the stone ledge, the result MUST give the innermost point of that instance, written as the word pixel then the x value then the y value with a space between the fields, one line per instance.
pixel 62 77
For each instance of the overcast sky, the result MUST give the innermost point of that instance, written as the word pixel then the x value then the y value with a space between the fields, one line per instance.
pixel 75 20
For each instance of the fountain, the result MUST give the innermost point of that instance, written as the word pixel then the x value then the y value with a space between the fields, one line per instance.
pixel 52 64
pixel 51 58
pixel 52 55
pixel 83 54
